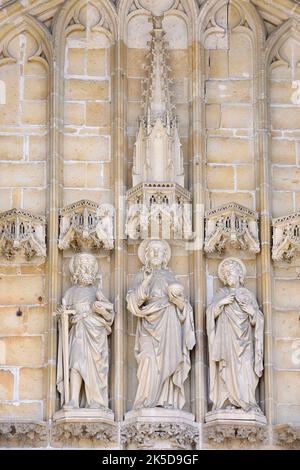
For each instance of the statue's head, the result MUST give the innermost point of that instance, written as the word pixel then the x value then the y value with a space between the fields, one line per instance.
pixel 155 254
pixel 232 272
pixel 84 269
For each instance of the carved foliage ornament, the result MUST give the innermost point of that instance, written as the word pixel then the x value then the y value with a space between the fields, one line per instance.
pixel 231 225
pixel 25 434
pixel 218 433
pixel 64 432
pixel 86 225
pixel 145 434
pixel 21 231
pixel 286 237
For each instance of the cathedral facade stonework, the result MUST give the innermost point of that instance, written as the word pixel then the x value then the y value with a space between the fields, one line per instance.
pixel 150 224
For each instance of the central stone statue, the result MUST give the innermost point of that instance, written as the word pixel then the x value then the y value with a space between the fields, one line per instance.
pixel 165 332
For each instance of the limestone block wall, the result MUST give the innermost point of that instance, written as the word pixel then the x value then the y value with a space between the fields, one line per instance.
pixel 70 98
pixel 24 132
pixel 284 72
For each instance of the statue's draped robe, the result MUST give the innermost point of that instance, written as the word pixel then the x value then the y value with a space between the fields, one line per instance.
pixel 88 344
pixel 235 343
pixel 165 335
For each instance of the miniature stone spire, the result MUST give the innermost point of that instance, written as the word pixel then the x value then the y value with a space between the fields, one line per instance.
pixel 157 95
pixel 158 155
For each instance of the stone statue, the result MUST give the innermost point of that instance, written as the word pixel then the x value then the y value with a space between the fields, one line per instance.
pixel 235 329
pixel 165 332
pixel 91 317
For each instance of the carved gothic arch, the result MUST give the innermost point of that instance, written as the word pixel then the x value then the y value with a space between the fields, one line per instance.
pixel 291 28
pixel 249 13
pixel 185 9
pixel 33 28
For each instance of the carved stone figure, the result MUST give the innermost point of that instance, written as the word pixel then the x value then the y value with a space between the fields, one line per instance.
pixel 91 317
pixel 165 332
pixel 235 329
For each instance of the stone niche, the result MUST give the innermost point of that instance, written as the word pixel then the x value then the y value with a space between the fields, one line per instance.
pixel 231 226
pixel 86 225
pixel 286 238
pixel 22 234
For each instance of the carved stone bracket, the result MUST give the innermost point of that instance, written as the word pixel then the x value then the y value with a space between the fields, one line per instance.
pixel 22 232
pixel 65 433
pixel 23 434
pixel 218 432
pixel 86 225
pixel 159 210
pixel 286 237
pixel 141 435
pixel 231 225
pixel 287 435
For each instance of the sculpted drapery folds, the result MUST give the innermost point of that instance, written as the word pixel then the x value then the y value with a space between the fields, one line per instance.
pixel 88 344
pixel 165 331
pixel 235 338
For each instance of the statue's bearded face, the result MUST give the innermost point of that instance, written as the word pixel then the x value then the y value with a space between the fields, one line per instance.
pixel 232 277
pixel 156 255
pixel 86 273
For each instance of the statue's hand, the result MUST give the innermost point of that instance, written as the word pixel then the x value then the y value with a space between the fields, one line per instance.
pixel 147 279
pixel 60 310
pixel 248 308
pixel 178 301
pixel 229 299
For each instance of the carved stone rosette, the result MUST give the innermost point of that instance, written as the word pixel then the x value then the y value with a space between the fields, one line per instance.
pixel 144 435
pixel 68 433
pixel 159 210
pixel 286 237
pixel 23 434
pixel 86 226
pixel 22 232
pixel 231 225
pixel 219 432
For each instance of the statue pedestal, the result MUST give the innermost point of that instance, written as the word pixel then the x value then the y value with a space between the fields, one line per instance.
pixel 235 427
pixel 159 428
pixel 235 415
pixel 79 415
pixel 75 427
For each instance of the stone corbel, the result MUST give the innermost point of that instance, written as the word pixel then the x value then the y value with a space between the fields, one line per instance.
pixel 68 433
pixel 286 237
pixel 218 433
pixel 86 225
pixel 231 225
pixel 287 435
pixel 23 434
pixel 145 435
pixel 22 232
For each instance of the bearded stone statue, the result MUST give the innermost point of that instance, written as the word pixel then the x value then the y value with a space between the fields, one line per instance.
pixel 91 321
